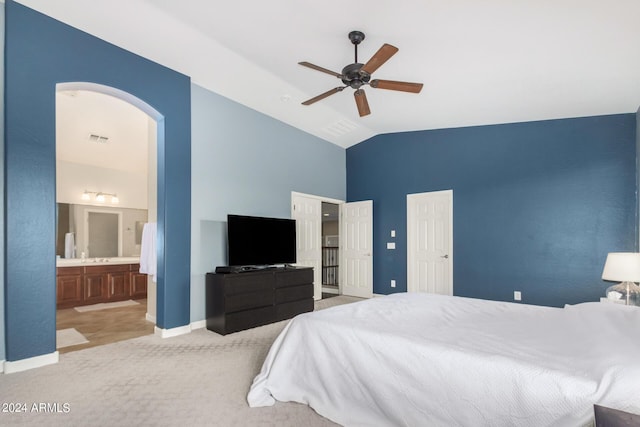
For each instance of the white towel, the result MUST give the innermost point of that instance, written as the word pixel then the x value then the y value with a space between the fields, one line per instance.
pixel 148 256
pixel 69 246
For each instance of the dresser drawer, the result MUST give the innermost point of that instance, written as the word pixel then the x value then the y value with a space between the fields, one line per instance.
pixel 237 302
pixel 241 283
pixel 294 293
pixel 294 277
pixel 241 320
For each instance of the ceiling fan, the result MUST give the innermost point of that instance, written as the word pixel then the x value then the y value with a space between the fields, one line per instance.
pixel 357 75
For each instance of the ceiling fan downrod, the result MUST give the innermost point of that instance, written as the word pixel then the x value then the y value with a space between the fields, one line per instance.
pixel 356 38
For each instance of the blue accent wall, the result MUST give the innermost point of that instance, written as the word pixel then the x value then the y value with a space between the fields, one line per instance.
pixel 537 206
pixel 41 52
pixel 2 282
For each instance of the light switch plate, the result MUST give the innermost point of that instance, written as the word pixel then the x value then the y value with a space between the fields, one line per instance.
pixel 391 245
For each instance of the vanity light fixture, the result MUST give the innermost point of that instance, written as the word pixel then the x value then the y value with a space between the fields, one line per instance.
pixel 100 196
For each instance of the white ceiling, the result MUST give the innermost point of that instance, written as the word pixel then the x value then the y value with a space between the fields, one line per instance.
pixel 481 62
pixel 80 114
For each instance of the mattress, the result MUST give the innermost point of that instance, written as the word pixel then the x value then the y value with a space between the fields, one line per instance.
pixel 423 359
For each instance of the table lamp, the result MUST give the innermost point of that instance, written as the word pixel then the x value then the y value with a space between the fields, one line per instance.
pixel 623 267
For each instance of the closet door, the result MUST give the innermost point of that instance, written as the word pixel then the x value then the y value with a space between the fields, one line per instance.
pixel 356 247
pixel 430 242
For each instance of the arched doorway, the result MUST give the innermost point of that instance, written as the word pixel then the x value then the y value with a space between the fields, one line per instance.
pixel 30 88
pixel 106 170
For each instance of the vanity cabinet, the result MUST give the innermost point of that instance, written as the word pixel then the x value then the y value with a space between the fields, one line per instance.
pixel 69 286
pixel 99 283
pixel 94 286
pixel 118 282
pixel 138 284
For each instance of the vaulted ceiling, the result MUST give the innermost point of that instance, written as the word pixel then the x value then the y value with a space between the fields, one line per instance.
pixel 481 62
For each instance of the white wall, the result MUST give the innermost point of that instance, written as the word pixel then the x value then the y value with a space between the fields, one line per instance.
pixel 72 179
pixel 152 215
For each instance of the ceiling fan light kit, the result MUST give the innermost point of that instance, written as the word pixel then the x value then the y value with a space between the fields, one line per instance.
pixel 357 75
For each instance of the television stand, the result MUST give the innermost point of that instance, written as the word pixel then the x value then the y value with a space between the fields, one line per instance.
pixel 235 302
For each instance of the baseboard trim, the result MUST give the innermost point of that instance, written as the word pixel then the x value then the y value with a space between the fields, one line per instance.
pixel 173 332
pixel 31 363
pixel 198 324
pixel 1 366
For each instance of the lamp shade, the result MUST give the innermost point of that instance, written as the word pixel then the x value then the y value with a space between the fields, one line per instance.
pixel 622 267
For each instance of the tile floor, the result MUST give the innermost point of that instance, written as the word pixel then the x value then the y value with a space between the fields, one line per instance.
pixel 105 326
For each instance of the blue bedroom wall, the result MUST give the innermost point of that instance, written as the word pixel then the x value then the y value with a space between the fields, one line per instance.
pixel 2 331
pixel 638 174
pixel 537 206
pixel 244 162
pixel 41 52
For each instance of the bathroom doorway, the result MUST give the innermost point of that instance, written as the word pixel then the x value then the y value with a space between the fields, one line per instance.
pixel 105 189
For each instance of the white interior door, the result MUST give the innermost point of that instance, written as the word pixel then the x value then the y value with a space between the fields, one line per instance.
pixel 430 242
pixel 356 238
pixel 307 212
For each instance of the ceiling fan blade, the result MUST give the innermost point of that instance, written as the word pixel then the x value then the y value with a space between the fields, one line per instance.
pixel 380 57
pixel 393 85
pixel 318 68
pixel 323 95
pixel 361 103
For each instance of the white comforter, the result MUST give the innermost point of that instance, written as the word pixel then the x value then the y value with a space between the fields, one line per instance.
pixel 433 360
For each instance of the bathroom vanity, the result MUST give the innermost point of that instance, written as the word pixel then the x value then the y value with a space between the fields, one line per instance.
pixel 92 281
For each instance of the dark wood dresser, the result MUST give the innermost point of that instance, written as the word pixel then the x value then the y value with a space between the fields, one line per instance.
pixel 238 301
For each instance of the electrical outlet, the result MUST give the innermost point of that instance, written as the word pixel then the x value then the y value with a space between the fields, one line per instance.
pixel 391 245
pixel 517 296
pixel 393 283
pixel 393 233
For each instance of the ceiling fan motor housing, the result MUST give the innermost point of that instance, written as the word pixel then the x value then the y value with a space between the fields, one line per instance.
pixel 352 77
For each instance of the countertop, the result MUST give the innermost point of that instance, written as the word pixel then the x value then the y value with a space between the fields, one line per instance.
pixel 77 262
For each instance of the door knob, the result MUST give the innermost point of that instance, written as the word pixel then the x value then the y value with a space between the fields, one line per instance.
pixel 444 256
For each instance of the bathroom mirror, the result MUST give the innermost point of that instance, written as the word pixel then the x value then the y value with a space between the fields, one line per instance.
pixel 98 231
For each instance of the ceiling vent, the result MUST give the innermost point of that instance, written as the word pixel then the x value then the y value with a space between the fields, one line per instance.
pixel 98 138
pixel 341 127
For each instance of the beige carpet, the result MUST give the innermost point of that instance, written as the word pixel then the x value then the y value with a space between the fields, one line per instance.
pixel 69 337
pixel 105 305
pixel 198 379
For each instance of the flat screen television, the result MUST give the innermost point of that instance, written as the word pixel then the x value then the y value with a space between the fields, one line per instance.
pixel 258 241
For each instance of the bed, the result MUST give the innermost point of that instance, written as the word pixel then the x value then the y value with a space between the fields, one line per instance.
pixel 422 359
